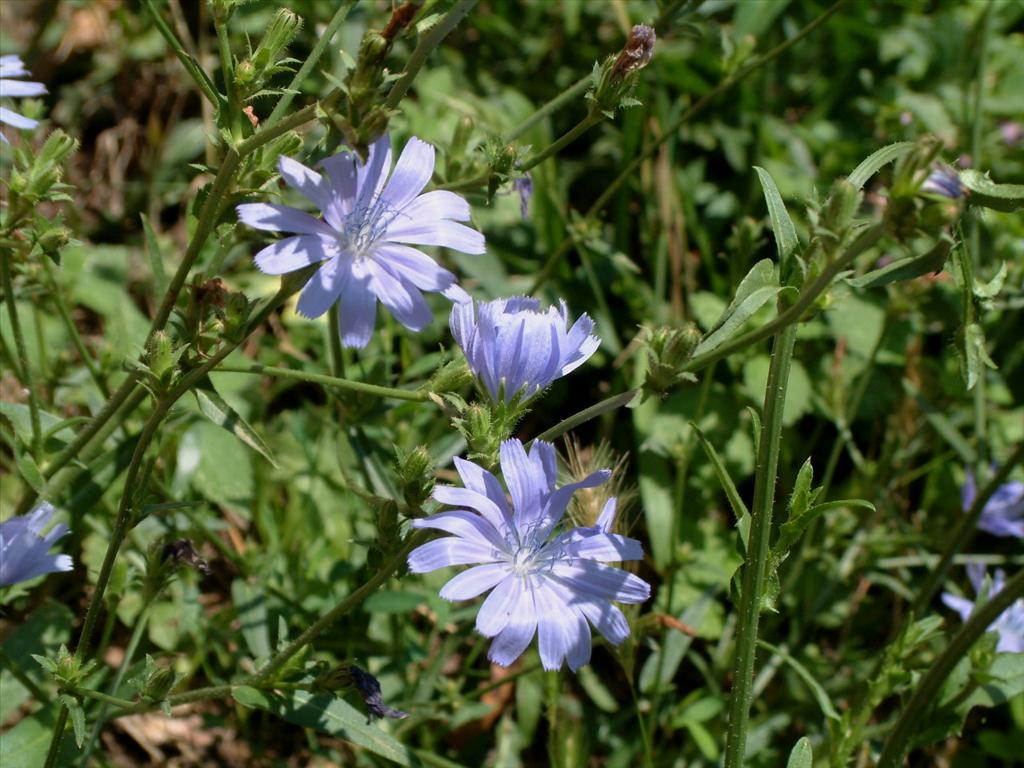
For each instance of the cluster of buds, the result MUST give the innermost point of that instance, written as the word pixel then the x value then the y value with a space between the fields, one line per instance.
pixel 614 81
pixel 36 175
pixel 252 74
pixel 415 471
pixel 668 351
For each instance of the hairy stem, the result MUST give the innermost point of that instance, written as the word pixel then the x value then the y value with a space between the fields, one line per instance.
pixel 22 350
pixel 758 546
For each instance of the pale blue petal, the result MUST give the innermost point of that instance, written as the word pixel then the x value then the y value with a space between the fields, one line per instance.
pixel 370 177
pixel 447 234
pixel 606 618
pixel 436 205
pixel 474 581
pixel 450 550
pixel 559 500
pixel 606 547
pixel 292 253
pixel 524 483
pixel 596 580
pixel 403 299
pixel 517 634
pixel 357 312
pixel 412 172
pixel 16 88
pixel 341 170
pixel 280 218
pixel 16 120
pixel 312 185
pixel 497 609
pixel 323 288
pixel 414 266
pixel 464 497
pixel 606 519
pixel 464 524
pixel 478 479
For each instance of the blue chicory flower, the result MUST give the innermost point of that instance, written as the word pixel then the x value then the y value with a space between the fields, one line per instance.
pixel 1003 513
pixel 545 580
pixel 362 242
pixel 24 550
pixel 515 349
pixel 524 187
pixel 12 66
pixel 943 181
pixel 1009 625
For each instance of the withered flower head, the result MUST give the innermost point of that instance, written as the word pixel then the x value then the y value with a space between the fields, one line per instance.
pixel 636 53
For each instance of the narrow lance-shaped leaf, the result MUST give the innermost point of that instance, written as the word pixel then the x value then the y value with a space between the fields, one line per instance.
pixel 908 268
pixel 759 286
pixel 216 409
pixel 782 225
pixel 986 193
pixel 877 160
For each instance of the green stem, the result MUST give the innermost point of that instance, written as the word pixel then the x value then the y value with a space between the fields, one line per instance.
pixel 188 61
pixel 426 46
pixel 898 745
pixel 606 405
pixel 670 132
pixel 758 547
pixel 233 117
pixel 22 350
pixel 69 324
pixel 334 342
pixel 961 535
pixel 29 684
pixel 572 92
pixel 349 602
pixel 307 66
pixel 415 395
pixel 129 655
pixel 584 125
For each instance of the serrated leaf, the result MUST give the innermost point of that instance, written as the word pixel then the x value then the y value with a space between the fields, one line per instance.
pixel 327 714
pixel 759 286
pixel 876 161
pixel 908 268
pixel 986 193
pixel 801 755
pixel 216 409
pixel 77 717
pixel 786 241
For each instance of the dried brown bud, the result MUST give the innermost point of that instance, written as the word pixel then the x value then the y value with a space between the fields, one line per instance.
pixel 636 53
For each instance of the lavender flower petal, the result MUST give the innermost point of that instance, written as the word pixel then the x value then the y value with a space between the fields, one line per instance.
pixel 24 551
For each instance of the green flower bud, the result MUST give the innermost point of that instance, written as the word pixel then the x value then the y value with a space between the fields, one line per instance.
pixel 453 376
pixel 282 31
pixel 668 351
pixel 162 358
pixel 415 475
pixel 613 82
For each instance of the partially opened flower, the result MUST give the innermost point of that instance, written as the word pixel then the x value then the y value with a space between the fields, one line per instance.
pixel 363 240
pixel 544 579
pixel 1003 513
pixel 12 66
pixel 943 181
pixel 1009 625
pixel 515 349
pixel 24 550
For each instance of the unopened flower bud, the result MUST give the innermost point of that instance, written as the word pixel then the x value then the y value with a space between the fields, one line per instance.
pixel 282 30
pixel 943 181
pixel 668 351
pixel 161 358
pixel 245 73
pixel 453 376
pixel 636 53
pixel 415 474
pixel 614 80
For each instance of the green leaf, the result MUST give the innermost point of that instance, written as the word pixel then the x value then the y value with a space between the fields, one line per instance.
pixel 759 286
pixel 816 690
pixel 77 717
pixel 735 500
pixel 877 160
pixel 941 424
pixel 251 607
pixel 660 667
pixel 327 714
pixel 782 225
pixel 42 634
pixel 973 355
pixel 596 690
pixel 29 471
pixel 216 409
pixel 908 268
pixel 21 419
pixel 986 193
pixel 156 260
pixel 801 755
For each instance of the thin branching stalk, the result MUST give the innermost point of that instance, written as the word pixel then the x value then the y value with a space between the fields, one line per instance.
pixel 426 46
pixel 69 324
pixel 22 350
pixel 565 97
pixel 414 395
pixel 728 83
pixel 962 533
pixel 322 43
pixel 188 61
pixel 584 125
pixel 902 736
pixel 753 578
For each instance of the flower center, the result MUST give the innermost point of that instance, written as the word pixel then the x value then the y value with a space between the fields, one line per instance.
pixel 364 226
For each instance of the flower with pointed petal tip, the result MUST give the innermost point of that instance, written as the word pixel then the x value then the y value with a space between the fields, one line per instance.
pixel 544 579
pixel 363 242
pixel 1003 513
pixel 1010 623
pixel 515 349
pixel 24 550
pixel 12 66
